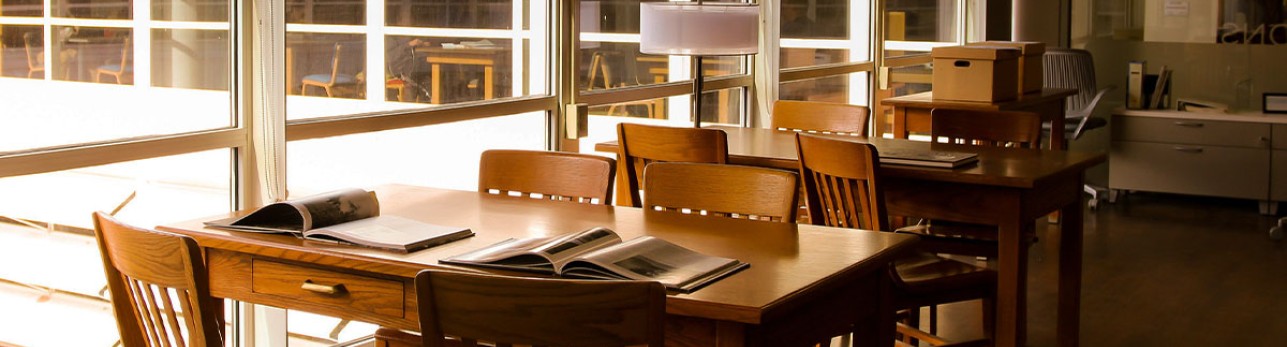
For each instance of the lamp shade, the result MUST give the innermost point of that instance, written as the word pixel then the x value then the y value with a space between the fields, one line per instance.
pixel 677 28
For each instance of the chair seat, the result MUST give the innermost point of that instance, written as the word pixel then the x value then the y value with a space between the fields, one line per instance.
pixel 959 238
pixel 115 67
pixel 326 78
pixel 924 273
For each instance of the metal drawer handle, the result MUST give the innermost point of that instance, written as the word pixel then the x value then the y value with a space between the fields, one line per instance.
pixel 1189 124
pixel 1188 149
pixel 322 288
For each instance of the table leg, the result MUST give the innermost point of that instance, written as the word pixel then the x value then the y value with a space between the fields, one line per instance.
pixel 1070 248
pixel 435 94
pixel 488 82
pixel 900 122
pixel 1012 285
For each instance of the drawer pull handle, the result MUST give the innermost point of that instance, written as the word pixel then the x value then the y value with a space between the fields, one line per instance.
pixel 1189 149
pixel 1189 124
pixel 322 288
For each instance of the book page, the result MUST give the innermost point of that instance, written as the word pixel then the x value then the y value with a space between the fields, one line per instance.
pixel 537 254
pixel 336 207
pixel 391 233
pixel 563 249
pixel 650 258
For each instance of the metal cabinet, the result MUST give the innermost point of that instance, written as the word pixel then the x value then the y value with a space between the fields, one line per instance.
pixel 1235 156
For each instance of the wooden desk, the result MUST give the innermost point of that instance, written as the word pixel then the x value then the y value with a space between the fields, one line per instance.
pixel 1009 188
pixel 485 57
pixel 805 282
pixel 912 112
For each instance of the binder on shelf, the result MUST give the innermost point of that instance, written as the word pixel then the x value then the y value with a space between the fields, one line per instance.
pixel 1135 85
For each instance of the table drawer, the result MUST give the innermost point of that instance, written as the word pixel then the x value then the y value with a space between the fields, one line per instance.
pixel 1191 131
pixel 326 287
pixel 1190 169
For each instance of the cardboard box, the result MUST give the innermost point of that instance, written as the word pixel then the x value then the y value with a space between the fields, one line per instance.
pixel 1031 71
pixel 976 73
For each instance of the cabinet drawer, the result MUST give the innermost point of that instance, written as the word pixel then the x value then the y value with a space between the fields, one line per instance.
pixel 347 291
pixel 1279 189
pixel 1190 169
pixel 1190 131
pixel 1280 136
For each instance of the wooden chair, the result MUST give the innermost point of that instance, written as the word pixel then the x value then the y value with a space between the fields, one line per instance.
pixel 842 189
pixel 539 312
pixel 35 60
pixel 117 69
pixel 160 293
pixel 640 145
pixel 820 117
pixel 981 128
pixel 328 82
pixel 734 191
pixel 558 176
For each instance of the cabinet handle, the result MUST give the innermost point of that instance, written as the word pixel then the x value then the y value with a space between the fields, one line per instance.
pixel 1189 124
pixel 1188 149
pixel 322 288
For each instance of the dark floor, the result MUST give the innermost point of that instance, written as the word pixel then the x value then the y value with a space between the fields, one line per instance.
pixel 1162 270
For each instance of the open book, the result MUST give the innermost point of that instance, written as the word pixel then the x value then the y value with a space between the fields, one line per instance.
pixel 599 253
pixel 943 159
pixel 349 215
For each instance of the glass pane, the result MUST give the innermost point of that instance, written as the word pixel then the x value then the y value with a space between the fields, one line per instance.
pixel 22 8
pixel 94 54
pixel 850 89
pixel 192 59
pixel 190 11
pixel 421 66
pixel 722 106
pixel 50 233
pixel 95 9
pixel 24 51
pixel 351 12
pixel 607 65
pixel 466 69
pixel 815 19
pixel 370 159
pixel 804 57
pixel 909 24
pixel 477 14
pixel 192 64
pixel 325 64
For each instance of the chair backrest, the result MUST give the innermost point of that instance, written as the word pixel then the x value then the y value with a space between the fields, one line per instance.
pixel 558 176
pixel 841 183
pixel 335 64
pixel 34 61
pixel 537 311
pixel 640 145
pixel 734 191
pixel 986 128
pixel 160 293
pixel 1073 69
pixel 820 117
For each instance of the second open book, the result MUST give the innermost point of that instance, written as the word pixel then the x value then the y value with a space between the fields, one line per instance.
pixel 600 253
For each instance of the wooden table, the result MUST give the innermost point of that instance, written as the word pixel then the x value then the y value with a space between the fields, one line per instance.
pixel 1009 188
pixel 912 112
pixel 805 282
pixel 486 57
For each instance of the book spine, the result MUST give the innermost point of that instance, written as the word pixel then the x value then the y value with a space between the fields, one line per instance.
pixel 1135 85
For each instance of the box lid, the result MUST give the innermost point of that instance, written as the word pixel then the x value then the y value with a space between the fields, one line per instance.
pixel 1026 47
pixel 978 52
